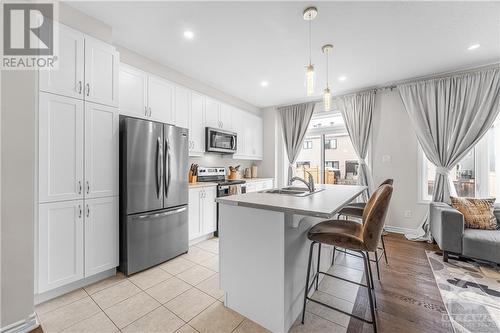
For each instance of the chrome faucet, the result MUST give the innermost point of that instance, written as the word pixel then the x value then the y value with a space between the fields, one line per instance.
pixel 310 184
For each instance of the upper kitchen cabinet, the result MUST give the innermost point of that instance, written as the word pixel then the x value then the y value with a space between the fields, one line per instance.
pixel 212 108
pixel 225 116
pixel 87 69
pixel 133 91
pixel 249 128
pixel 197 125
pixel 60 149
pixel 182 107
pixel 101 151
pixel 217 114
pixel 161 100
pixel 101 72
pixel 68 78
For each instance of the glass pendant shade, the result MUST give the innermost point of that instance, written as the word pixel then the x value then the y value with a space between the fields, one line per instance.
pixel 327 100
pixel 310 78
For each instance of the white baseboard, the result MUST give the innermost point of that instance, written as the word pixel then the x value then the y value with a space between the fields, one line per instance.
pixel 200 239
pixel 399 230
pixel 22 326
pixel 48 295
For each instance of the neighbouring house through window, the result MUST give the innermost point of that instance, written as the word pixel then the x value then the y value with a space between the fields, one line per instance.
pixel 327 151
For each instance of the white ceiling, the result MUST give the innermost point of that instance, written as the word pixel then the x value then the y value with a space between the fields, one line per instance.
pixel 239 44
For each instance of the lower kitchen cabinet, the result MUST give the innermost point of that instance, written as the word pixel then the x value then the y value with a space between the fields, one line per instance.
pixel 202 211
pixel 76 239
pixel 60 244
pixel 101 235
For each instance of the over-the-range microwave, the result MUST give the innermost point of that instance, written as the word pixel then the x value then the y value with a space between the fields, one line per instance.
pixel 220 141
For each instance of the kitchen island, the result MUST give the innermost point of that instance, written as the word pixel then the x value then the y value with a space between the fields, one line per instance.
pixel 263 249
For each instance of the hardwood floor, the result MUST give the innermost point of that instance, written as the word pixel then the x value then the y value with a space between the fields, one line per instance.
pixel 408 298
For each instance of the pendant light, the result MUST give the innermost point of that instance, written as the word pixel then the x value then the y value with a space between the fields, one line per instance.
pixel 309 15
pixel 327 95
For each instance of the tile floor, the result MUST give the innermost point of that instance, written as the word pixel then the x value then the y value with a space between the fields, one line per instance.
pixel 182 295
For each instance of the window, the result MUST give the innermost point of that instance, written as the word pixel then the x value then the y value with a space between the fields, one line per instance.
pixel 331 144
pixel 326 149
pixel 475 174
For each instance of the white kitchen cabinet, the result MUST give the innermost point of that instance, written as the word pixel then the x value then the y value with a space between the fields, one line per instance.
pixel 209 210
pixel 101 72
pixel 202 211
pixel 195 209
pixel 60 244
pixel 101 150
pixel 101 235
pixel 60 148
pixel 161 100
pixel 68 78
pixel 212 108
pixel 225 117
pixel 133 91
pixel 217 115
pixel 182 107
pixel 197 125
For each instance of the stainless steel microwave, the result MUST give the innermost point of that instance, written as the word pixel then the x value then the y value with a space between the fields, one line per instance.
pixel 220 141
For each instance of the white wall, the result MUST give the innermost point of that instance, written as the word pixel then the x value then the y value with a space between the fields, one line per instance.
pixel 394 137
pixel 18 143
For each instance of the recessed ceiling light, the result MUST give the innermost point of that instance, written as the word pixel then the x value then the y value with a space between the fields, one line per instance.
pixel 342 78
pixel 264 83
pixel 473 47
pixel 189 34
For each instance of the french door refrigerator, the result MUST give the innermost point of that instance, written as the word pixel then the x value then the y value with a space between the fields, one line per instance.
pixel 153 193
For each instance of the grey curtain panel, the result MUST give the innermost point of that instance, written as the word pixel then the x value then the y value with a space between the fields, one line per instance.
pixel 450 115
pixel 294 122
pixel 357 111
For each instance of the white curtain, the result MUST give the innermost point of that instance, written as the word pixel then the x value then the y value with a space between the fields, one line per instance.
pixel 357 111
pixel 449 116
pixel 294 123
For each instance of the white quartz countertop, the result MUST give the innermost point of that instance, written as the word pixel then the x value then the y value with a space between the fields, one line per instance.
pixel 201 184
pixel 322 204
pixel 250 180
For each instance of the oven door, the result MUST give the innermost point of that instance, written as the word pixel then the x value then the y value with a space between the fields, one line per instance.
pixel 218 141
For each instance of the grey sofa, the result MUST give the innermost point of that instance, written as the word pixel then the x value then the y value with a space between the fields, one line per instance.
pixel 448 229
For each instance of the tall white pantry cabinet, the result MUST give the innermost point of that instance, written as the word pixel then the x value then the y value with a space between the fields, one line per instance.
pixel 78 144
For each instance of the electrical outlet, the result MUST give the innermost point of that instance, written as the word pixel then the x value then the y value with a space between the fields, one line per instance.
pixel 386 158
pixel 408 214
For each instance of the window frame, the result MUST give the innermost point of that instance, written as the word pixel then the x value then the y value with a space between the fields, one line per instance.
pixel 480 170
pixel 307 144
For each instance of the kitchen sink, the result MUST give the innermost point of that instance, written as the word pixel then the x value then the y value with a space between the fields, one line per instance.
pixel 293 191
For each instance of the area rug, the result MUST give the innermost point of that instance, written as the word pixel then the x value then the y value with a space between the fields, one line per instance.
pixel 470 292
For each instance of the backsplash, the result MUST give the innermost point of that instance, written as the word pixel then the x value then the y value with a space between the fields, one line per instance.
pixel 215 160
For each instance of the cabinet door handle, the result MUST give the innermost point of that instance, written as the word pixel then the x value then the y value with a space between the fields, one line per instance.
pixel 79 187
pixel 88 89
pixel 150 113
pixel 79 211
pixel 80 87
pixel 88 211
pixel 221 124
pixel 88 187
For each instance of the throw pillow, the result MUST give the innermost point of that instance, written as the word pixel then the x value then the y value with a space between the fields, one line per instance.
pixel 478 213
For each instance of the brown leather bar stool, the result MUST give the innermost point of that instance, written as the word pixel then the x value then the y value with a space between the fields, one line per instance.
pixel 356 210
pixel 353 236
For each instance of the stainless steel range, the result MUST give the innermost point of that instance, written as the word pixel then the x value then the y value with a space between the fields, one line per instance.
pixel 225 187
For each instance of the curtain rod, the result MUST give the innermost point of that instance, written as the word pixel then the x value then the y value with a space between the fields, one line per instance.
pixel 393 85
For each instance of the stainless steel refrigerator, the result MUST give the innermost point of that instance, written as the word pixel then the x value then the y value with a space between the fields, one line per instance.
pixel 153 193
